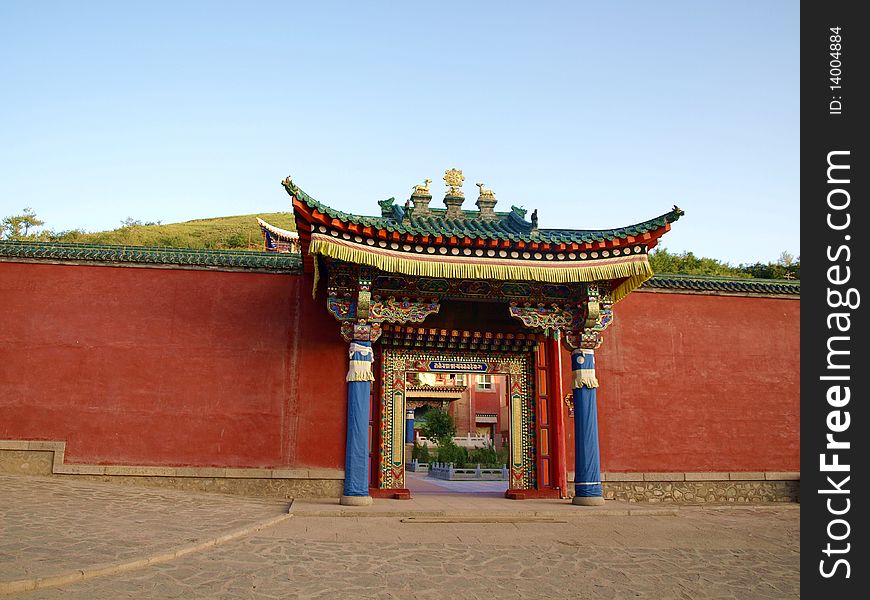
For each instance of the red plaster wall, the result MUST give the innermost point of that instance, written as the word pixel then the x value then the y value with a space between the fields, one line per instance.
pixel 146 366
pixel 464 410
pixel 698 383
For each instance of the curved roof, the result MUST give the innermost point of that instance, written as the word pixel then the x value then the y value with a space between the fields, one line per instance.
pixel 509 226
pixel 421 241
pixel 284 234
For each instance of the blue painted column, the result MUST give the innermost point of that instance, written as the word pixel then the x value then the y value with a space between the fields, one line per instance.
pixel 587 465
pixel 409 426
pixel 356 458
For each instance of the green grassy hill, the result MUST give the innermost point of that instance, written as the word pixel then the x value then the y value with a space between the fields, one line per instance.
pixel 239 232
pixel 242 233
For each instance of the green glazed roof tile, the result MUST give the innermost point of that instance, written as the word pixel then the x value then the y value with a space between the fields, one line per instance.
pixel 153 255
pixel 507 226
pixel 724 284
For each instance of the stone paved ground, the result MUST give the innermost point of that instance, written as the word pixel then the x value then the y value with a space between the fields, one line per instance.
pixel 422 483
pixel 53 525
pixel 699 553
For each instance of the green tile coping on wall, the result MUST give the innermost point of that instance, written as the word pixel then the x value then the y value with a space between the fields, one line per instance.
pixel 731 285
pixel 151 255
pixel 290 262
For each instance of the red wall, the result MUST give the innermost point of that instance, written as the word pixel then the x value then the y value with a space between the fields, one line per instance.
pixel 146 366
pixel 464 410
pixel 698 383
pixel 174 367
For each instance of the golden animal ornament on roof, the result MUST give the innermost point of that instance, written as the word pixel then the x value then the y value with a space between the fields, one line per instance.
pixel 454 178
pixel 485 194
pixel 422 189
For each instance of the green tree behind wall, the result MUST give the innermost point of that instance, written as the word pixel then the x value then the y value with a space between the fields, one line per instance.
pixel 18 227
pixel 686 263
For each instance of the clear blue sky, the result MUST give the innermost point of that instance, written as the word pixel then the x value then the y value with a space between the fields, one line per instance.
pixel 597 114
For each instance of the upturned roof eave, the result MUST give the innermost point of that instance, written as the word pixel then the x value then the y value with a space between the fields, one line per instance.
pixel 647 230
pixel 284 234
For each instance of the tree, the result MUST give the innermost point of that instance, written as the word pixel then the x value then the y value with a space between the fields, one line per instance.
pixel 786 267
pixel 687 263
pixel 18 227
pixel 131 222
pixel 438 425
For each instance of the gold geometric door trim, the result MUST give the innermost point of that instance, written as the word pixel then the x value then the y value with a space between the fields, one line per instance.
pixel 518 367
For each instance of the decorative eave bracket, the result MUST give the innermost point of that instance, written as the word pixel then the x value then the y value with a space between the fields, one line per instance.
pixel 361 315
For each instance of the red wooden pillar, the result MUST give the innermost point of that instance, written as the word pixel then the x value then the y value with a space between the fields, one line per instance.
pixel 557 420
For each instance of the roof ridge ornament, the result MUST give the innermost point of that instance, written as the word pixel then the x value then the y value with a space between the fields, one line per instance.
pixel 291 187
pixel 485 194
pixel 454 178
pixel 421 196
pixel 486 203
pixel 422 190
pixel 387 207
pixel 454 197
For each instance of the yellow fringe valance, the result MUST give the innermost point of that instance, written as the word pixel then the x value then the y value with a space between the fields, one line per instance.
pixel 635 268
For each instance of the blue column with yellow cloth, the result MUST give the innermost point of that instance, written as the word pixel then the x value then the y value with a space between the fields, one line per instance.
pixel 359 385
pixel 587 466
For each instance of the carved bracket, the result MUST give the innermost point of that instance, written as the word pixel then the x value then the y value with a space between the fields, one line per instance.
pixel 364 293
pixel 593 307
pixel 546 317
pixel 350 300
pixel 404 310
pixel 361 318
pixel 360 331
pixel 588 335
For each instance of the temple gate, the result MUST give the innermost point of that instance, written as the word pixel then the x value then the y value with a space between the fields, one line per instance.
pixel 422 289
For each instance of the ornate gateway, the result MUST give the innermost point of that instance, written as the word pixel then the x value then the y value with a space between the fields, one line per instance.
pixel 397 271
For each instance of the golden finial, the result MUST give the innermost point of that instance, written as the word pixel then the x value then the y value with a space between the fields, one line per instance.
pixel 454 179
pixel 422 190
pixel 485 194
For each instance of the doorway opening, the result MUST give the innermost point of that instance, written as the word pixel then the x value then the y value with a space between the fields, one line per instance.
pixel 457 433
pixel 489 397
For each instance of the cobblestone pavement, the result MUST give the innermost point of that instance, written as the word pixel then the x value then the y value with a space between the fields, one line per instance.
pixel 53 525
pixel 746 552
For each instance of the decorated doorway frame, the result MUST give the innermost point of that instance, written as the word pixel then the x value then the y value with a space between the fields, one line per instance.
pixel 518 367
